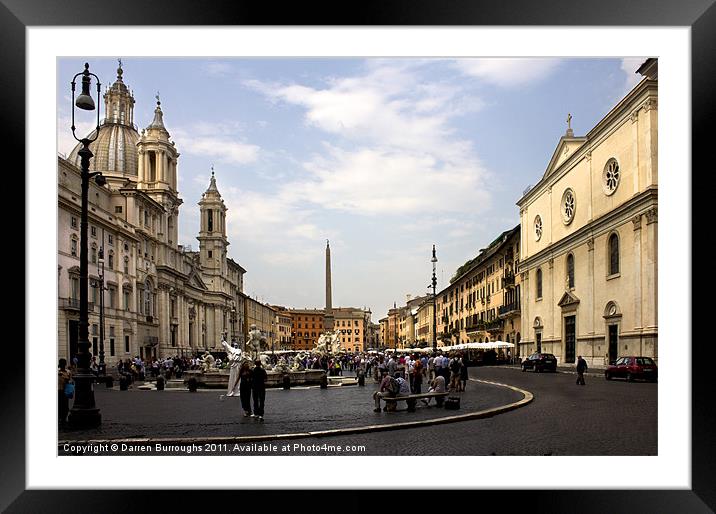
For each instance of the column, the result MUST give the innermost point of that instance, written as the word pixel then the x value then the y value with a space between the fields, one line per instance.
pixel 638 286
pixel 551 299
pixel 160 166
pixel 147 167
pixel 651 269
pixel 140 166
pixel 650 142
pixel 590 292
pixel 635 148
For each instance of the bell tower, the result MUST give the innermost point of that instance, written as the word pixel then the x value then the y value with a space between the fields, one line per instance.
pixel 157 156
pixel 212 234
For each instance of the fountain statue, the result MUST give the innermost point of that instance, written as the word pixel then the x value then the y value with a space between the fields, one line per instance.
pixel 253 345
pixel 208 362
pixel 329 342
pixel 298 362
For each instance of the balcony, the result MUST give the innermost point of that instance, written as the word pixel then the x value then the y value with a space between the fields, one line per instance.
pixel 73 304
pixel 475 327
pixel 495 325
pixel 509 279
pixel 507 311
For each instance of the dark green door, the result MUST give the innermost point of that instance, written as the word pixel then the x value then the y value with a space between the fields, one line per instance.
pixel 613 344
pixel 569 338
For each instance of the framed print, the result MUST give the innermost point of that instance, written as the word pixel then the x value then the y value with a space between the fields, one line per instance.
pixel 532 134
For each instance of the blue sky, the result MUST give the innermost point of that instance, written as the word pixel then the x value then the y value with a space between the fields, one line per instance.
pixel 384 157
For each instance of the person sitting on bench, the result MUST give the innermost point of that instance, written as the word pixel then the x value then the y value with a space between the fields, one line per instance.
pixel 385 390
pixel 436 386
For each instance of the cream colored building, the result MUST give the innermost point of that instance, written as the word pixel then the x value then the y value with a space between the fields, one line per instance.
pixel 589 238
pixel 264 317
pixel 351 323
pixel 161 299
pixel 482 302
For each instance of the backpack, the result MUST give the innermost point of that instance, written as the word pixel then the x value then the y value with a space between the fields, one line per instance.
pixel 455 366
pixel 394 386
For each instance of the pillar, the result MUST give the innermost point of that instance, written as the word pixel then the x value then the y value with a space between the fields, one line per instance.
pixel 638 286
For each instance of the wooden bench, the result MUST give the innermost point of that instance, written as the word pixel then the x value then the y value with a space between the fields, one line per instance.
pixel 411 400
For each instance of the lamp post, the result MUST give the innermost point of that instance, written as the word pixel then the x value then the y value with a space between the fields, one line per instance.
pixel 434 260
pixel 84 413
pixel 101 307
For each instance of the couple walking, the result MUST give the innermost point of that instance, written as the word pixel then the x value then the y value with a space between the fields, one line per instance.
pixel 246 382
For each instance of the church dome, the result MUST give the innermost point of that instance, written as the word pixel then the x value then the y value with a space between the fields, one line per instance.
pixel 115 150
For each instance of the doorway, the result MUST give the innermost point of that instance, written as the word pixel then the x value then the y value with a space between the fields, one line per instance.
pixel 613 343
pixel 569 338
pixel 538 337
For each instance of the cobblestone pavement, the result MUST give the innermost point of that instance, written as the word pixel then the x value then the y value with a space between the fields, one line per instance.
pixel 181 414
pixel 601 418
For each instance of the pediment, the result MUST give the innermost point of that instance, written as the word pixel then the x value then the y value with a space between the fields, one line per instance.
pixel 565 148
pixel 568 300
pixel 195 280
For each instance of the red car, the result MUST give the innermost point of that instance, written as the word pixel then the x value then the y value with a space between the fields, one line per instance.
pixel 632 368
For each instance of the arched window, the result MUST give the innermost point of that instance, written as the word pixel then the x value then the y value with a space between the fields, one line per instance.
pixel 613 254
pixel 539 283
pixel 570 271
pixel 148 293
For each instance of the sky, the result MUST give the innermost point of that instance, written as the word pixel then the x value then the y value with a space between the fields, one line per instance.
pixel 383 157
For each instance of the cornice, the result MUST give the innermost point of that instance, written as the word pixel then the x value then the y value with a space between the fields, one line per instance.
pixel 639 204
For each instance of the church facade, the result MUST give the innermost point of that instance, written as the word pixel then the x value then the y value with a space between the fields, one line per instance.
pixel 589 239
pixel 160 299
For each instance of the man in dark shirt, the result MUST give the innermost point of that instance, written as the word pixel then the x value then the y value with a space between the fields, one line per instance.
pixel 581 368
pixel 258 390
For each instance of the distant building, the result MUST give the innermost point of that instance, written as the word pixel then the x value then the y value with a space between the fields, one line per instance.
pixel 482 303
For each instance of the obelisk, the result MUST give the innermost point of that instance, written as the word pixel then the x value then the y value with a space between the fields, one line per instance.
pixel 328 317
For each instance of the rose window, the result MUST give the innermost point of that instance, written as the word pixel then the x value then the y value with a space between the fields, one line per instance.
pixel 610 176
pixel 568 206
pixel 538 228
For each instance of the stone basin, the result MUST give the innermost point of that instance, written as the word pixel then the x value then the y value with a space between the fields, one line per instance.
pixel 219 379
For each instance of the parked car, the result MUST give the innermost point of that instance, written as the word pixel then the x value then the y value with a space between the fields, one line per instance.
pixel 540 362
pixel 631 368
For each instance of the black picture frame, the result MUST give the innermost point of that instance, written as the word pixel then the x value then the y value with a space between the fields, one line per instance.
pixel 699 15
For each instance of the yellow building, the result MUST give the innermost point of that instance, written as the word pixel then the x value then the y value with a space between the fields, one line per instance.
pixel 352 324
pixel 589 238
pixel 482 302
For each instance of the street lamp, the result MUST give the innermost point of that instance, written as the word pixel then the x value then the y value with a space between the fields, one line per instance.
pixel 434 260
pixel 84 413
pixel 101 307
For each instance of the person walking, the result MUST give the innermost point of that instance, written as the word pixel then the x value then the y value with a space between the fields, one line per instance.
pixel 463 374
pixel 245 375
pixel 64 377
pixel 258 389
pixel 581 369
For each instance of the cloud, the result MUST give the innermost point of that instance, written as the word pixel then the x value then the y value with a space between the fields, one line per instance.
pixel 217 142
pixel 373 181
pixel 65 141
pixel 386 107
pixel 629 65
pixel 508 72
pixel 218 69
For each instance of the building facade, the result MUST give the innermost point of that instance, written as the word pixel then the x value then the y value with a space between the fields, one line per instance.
pixel 160 299
pixel 589 262
pixel 482 302
pixel 307 327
